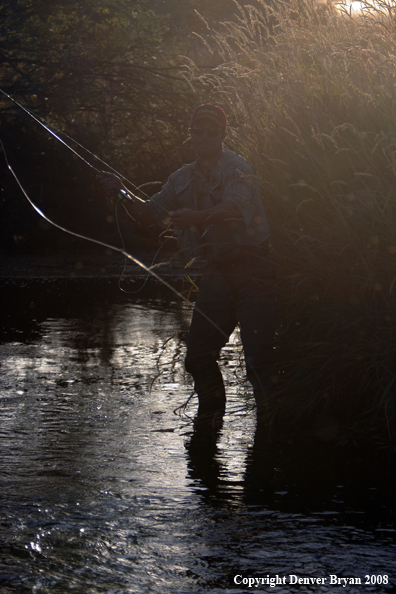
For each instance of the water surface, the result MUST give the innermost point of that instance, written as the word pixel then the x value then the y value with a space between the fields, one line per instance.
pixel 107 489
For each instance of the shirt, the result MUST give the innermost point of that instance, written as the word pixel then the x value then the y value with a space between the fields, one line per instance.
pixel 231 178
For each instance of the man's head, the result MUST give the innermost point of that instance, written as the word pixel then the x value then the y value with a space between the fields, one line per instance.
pixel 213 112
pixel 208 130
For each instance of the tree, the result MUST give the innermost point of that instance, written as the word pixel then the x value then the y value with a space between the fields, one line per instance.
pixel 100 71
pixel 103 73
pixel 107 74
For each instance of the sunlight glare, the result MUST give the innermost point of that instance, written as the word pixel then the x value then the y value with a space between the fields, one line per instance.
pixel 356 7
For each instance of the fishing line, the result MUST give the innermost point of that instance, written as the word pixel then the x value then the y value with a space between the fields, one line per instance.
pixel 44 124
pixel 102 243
pixel 46 127
pixel 125 259
pixel 49 129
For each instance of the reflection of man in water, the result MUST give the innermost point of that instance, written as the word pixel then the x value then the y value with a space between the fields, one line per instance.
pixel 215 207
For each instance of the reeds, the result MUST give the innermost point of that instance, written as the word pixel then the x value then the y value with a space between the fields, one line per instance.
pixel 311 93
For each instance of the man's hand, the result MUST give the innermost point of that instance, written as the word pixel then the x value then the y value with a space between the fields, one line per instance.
pixel 185 218
pixel 110 183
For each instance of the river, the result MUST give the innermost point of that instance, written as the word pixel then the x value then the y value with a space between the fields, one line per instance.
pixel 106 488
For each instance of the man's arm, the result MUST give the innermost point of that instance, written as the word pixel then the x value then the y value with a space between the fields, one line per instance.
pixel 184 218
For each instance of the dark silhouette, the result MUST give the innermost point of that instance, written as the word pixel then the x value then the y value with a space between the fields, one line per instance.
pixel 215 208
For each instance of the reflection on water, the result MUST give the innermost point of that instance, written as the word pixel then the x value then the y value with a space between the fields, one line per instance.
pixel 106 489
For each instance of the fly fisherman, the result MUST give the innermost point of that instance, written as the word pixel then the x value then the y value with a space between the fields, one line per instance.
pixel 215 208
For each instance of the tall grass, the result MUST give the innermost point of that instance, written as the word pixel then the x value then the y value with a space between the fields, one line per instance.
pixel 310 89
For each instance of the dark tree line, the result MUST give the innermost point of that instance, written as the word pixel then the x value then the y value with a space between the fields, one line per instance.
pixel 107 74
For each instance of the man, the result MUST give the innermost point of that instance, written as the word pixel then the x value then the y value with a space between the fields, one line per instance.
pixel 215 208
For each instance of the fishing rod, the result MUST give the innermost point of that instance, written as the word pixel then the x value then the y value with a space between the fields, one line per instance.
pixel 104 244
pixel 123 193
pixel 49 129
pixel 74 233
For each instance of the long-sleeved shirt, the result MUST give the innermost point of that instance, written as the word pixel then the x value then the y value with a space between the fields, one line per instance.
pixel 231 179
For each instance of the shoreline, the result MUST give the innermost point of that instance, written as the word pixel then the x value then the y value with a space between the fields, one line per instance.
pixel 99 264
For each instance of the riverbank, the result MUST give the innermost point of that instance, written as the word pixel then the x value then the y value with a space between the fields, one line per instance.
pixel 97 262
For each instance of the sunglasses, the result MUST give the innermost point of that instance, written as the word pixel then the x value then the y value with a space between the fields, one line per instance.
pixel 210 132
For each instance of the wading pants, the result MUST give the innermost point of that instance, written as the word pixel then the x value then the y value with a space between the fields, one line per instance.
pixel 241 290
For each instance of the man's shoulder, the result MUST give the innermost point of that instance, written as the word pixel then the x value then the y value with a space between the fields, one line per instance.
pixel 181 178
pixel 231 160
pixel 184 169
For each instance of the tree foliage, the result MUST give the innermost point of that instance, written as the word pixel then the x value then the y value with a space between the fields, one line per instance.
pixel 314 105
pixel 107 74
pixel 102 72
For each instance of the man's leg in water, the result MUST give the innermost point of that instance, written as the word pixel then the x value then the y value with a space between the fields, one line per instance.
pixel 206 337
pixel 254 288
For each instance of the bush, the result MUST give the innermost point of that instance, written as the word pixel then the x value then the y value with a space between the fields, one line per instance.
pixel 310 91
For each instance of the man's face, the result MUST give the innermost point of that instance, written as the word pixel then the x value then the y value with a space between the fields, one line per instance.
pixel 207 138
